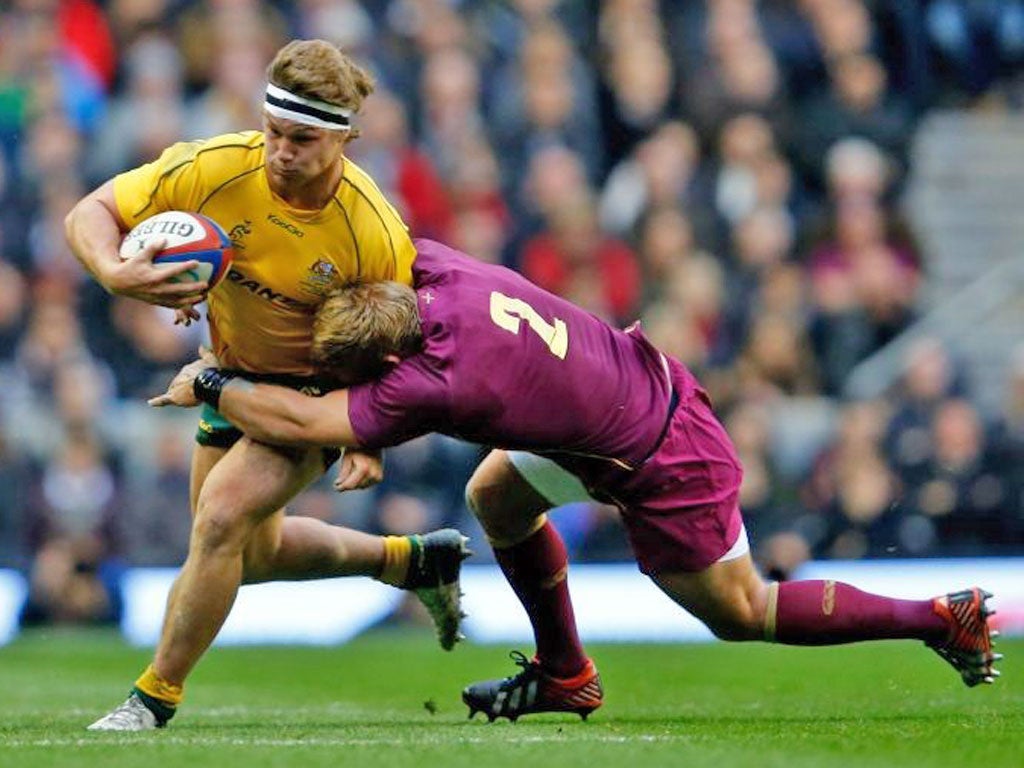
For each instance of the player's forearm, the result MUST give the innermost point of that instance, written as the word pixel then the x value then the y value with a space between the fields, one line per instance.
pixel 282 416
pixel 264 412
pixel 93 234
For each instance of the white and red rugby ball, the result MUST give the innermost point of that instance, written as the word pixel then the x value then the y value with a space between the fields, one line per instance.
pixel 189 236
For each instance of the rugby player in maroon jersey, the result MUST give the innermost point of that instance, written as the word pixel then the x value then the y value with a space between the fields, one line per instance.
pixel 477 352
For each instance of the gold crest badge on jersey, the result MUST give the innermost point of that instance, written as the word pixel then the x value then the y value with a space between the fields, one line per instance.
pixel 320 278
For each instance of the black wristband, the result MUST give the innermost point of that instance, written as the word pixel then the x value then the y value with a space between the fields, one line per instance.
pixel 208 385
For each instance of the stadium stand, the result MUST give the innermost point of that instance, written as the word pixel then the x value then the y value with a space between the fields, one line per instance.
pixel 813 203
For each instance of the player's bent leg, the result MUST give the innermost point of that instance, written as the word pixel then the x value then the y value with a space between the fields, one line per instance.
pixel 512 510
pixel 511 493
pixel 299 548
pixel 560 678
pixel 141 711
pixel 293 548
pixel 250 482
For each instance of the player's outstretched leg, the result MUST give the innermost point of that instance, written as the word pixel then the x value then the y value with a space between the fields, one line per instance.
pixel 736 604
pixel 968 646
pixel 829 612
pixel 534 690
pixel 135 714
pixel 435 561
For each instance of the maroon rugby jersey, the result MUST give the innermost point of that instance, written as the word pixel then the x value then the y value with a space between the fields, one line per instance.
pixel 509 365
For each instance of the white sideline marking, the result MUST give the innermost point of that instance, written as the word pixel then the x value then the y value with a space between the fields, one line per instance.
pixel 159 739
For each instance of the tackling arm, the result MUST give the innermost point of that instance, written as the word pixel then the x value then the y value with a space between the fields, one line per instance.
pixel 265 412
pixel 282 416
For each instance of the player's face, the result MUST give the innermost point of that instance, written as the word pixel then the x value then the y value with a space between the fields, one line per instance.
pixel 298 153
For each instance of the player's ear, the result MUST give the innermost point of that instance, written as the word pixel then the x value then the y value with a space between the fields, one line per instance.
pixel 391 360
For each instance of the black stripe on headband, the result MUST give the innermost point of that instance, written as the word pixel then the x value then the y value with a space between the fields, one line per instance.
pixel 305 109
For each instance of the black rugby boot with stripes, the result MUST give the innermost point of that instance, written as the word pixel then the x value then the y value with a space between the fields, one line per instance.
pixel 968 646
pixel 534 690
pixel 434 566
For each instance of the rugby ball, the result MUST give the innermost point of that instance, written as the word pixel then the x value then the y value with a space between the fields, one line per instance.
pixel 189 236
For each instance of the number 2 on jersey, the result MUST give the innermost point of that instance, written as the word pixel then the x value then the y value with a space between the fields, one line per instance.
pixel 507 313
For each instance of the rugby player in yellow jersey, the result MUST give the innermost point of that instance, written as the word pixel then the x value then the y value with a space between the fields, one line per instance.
pixel 303 219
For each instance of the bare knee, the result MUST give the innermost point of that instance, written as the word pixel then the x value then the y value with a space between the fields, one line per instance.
pixel 505 504
pixel 219 527
pixel 485 499
pixel 490 506
pixel 216 534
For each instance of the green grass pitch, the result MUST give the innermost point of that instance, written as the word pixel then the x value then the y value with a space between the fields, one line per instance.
pixel 368 704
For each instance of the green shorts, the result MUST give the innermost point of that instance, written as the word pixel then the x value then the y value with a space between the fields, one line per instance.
pixel 216 431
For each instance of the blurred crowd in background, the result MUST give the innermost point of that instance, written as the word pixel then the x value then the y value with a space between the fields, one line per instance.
pixel 728 171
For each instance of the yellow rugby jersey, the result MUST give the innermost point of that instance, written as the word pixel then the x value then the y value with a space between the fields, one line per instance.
pixel 286 259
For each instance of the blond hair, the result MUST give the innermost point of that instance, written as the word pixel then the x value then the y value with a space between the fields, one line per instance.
pixel 318 69
pixel 359 324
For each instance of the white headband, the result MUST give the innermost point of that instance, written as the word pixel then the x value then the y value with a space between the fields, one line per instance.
pixel 319 114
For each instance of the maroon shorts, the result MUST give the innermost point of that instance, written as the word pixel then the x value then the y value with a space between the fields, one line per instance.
pixel 681 508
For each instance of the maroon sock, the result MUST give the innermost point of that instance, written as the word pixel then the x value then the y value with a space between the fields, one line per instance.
pixel 830 612
pixel 536 569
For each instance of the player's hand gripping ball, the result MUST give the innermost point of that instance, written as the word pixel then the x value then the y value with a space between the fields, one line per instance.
pixel 189 236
